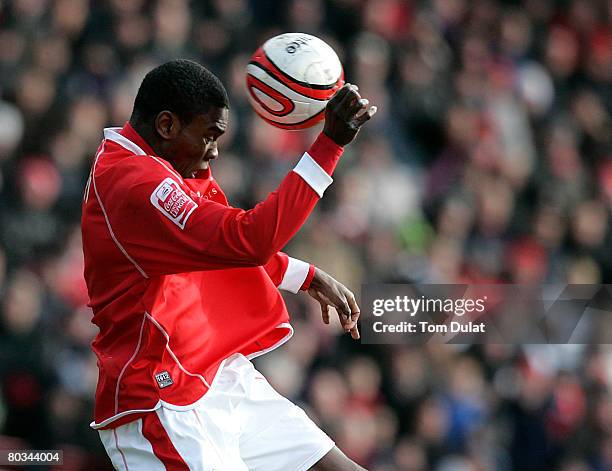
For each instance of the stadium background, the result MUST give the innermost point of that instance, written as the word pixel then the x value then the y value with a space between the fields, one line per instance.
pixel 489 160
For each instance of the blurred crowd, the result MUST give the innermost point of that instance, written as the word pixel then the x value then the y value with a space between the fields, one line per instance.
pixel 490 160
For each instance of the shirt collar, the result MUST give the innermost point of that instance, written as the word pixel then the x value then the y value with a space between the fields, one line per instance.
pixel 130 133
pixel 203 174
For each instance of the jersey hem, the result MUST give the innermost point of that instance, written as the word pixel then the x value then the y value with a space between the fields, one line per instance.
pixel 284 325
pixel 193 405
pixel 160 403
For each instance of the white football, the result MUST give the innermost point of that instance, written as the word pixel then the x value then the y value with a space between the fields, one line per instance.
pixel 291 78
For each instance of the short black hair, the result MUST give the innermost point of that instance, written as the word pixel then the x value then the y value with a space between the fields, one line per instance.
pixel 181 86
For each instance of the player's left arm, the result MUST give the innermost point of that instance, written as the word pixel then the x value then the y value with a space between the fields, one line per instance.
pixel 291 274
pixel 331 293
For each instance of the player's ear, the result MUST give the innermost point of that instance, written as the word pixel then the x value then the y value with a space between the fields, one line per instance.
pixel 167 125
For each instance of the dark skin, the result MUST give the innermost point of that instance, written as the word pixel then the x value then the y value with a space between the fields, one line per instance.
pixel 189 147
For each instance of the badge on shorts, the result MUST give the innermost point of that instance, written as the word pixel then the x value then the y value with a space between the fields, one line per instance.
pixel 170 199
pixel 163 379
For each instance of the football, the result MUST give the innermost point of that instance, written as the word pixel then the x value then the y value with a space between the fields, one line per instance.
pixel 291 78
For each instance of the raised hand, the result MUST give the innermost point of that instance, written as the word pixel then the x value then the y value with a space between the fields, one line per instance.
pixel 345 113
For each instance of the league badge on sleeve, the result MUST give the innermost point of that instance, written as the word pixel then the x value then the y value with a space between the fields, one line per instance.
pixel 170 199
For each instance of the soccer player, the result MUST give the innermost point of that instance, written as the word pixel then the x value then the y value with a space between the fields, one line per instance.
pixel 184 287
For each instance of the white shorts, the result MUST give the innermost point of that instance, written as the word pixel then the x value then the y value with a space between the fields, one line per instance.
pixel 241 424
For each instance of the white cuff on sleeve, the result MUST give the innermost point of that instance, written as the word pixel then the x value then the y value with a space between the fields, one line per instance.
pixel 313 174
pixel 294 277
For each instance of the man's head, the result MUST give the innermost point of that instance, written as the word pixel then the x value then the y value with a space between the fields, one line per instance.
pixel 181 109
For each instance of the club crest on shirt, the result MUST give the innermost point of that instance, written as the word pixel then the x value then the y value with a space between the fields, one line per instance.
pixel 163 379
pixel 170 199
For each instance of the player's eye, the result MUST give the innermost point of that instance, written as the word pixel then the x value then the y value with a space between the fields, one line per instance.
pixel 207 140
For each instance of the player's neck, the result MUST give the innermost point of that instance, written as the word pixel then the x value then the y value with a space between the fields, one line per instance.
pixel 149 137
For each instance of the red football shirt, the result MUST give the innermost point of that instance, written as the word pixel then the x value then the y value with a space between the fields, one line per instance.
pixel 179 280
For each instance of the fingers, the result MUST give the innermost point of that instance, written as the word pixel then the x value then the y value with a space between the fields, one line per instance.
pixel 360 106
pixel 342 306
pixel 349 319
pixel 366 116
pixel 348 101
pixel 345 113
pixel 353 108
pixel 324 302
pixel 339 95
pixel 344 310
pixel 355 333
pixel 350 324
pixel 354 307
pixel 355 312
pixel 343 300
pixel 324 312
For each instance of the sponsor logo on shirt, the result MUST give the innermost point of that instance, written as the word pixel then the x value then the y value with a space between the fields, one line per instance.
pixel 173 202
pixel 163 379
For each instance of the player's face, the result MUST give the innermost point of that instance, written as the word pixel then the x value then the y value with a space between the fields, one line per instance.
pixel 196 144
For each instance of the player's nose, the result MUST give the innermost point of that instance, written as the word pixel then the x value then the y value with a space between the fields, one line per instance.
pixel 213 151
